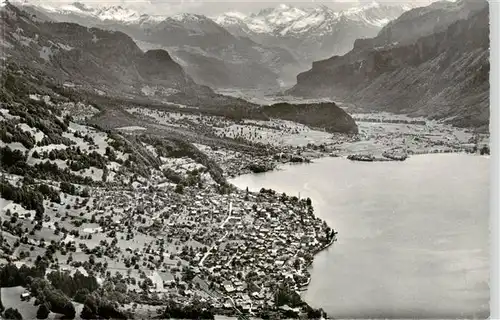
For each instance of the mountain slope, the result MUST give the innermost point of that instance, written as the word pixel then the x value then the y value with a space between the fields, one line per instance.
pixel 91 58
pixel 210 54
pixel 441 75
pixel 311 33
pixel 423 21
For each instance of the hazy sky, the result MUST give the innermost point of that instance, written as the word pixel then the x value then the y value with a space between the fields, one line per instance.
pixel 213 7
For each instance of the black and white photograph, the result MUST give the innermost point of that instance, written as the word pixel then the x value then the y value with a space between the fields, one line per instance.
pixel 237 160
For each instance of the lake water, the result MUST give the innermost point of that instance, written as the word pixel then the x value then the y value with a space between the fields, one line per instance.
pixel 413 236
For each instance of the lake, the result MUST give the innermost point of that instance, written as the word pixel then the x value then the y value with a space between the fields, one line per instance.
pixel 413 236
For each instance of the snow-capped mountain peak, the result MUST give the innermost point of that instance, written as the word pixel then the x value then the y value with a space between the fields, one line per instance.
pixel 100 12
pixel 75 7
pixel 80 6
pixel 230 18
pixel 374 13
pixel 286 20
pixel 185 17
pixel 269 20
pixel 281 15
pixel 118 13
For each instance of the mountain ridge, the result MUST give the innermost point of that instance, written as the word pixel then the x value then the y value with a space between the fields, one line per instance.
pixel 312 33
pixel 442 75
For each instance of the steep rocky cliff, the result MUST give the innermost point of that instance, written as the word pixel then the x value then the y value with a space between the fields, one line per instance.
pixel 444 74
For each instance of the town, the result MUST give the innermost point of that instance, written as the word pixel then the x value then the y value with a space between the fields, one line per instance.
pixel 232 251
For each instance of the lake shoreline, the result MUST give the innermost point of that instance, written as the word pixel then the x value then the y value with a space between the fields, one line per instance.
pixel 278 166
pixel 291 182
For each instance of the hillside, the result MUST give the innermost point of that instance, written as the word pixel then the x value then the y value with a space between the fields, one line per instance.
pixel 320 115
pixel 91 59
pixel 442 75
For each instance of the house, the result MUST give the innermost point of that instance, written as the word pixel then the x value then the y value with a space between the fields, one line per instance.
pixel 246 298
pixel 256 295
pixel 168 283
pixel 196 270
pixel 238 283
pixel 228 286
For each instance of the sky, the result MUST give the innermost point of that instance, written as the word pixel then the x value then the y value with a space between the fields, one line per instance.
pixel 214 7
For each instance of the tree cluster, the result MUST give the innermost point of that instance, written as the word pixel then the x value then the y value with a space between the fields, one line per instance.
pixel 12 314
pixel 76 158
pixel 104 302
pixel 14 162
pixel 11 158
pixel 12 276
pixel 76 286
pixel 29 199
pixel 9 133
pixel 286 296
pixel 174 310
pixel 55 299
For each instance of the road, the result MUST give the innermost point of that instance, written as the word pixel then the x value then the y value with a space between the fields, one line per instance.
pixel 200 264
pixel 229 215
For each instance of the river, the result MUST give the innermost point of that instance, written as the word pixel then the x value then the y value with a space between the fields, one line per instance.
pixel 413 236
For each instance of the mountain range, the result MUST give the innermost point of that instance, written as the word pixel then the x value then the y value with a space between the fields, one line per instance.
pixel 312 33
pixel 431 62
pixel 262 50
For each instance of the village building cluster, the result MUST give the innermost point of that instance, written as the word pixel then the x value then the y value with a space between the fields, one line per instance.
pixel 231 250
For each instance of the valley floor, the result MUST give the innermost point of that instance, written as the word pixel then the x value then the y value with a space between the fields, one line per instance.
pixel 180 235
